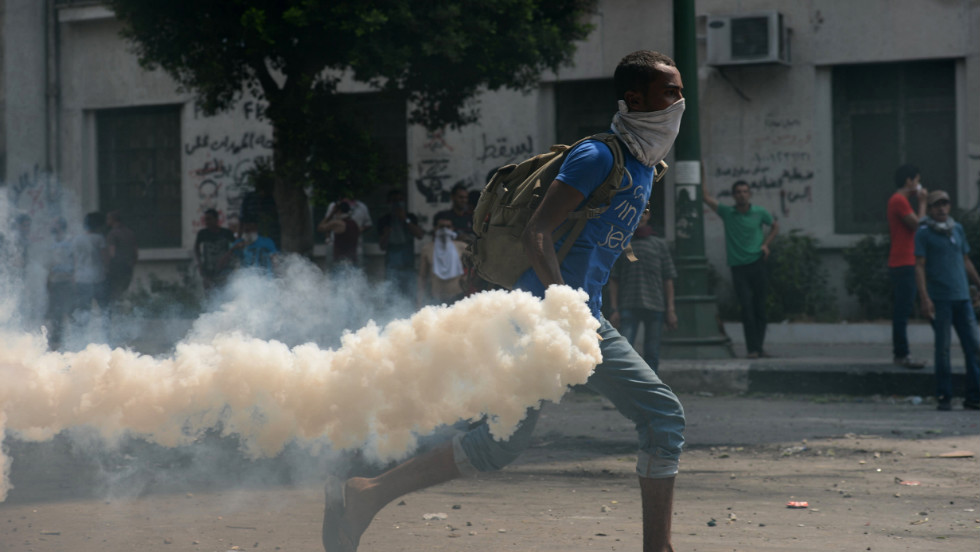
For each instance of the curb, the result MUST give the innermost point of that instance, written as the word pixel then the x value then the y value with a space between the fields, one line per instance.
pixel 803 378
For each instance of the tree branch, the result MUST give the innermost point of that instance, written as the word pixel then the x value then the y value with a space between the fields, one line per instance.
pixel 269 87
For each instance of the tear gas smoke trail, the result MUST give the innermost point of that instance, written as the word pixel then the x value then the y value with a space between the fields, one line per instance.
pixel 496 353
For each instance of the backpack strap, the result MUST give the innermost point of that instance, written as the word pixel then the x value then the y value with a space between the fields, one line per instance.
pixel 600 199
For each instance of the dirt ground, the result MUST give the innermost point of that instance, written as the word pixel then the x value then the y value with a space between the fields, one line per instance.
pixel 575 490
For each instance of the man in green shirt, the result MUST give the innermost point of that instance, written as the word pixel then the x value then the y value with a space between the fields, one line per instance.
pixel 747 246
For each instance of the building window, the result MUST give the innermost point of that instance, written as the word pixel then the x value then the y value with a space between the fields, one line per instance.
pixel 139 171
pixel 885 115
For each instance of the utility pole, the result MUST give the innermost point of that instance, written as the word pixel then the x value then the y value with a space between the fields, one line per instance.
pixel 698 334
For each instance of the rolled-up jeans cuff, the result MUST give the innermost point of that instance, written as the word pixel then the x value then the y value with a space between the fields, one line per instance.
pixel 653 467
pixel 462 461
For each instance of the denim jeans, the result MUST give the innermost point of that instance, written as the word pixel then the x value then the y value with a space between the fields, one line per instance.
pixel 751 287
pixel 653 325
pixel 632 386
pixel 958 315
pixel 903 301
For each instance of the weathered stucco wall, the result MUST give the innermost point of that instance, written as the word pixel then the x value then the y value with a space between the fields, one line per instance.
pixel 772 125
pixel 24 105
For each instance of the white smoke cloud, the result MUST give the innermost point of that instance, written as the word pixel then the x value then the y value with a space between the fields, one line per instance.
pixel 494 353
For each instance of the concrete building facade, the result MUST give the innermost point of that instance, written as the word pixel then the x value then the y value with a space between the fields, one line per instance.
pixel 867 85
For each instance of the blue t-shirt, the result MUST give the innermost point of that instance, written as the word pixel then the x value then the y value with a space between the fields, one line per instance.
pixel 593 254
pixel 945 270
pixel 257 254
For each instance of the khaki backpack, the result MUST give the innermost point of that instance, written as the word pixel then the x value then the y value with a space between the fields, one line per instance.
pixel 514 193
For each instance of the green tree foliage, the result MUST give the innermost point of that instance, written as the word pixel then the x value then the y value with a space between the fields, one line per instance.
pixel 798 287
pixel 867 276
pixel 293 54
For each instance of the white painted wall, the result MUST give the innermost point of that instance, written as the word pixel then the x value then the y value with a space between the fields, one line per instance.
pixel 23 79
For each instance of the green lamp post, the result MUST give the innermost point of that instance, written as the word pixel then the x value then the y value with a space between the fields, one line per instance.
pixel 698 334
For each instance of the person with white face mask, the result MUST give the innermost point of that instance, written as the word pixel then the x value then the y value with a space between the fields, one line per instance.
pixel 251 250
pixel 441 266
pixel 650 91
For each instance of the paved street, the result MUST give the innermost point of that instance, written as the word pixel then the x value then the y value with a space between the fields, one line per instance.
pixel 747 457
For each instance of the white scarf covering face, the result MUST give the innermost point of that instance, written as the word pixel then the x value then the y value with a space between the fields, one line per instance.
pixel 648 135
pixel 446 264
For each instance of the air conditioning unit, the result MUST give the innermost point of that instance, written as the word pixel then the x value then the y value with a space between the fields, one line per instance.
pixel 747 39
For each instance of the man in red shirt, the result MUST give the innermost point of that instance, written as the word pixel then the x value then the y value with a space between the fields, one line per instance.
pixel 902 224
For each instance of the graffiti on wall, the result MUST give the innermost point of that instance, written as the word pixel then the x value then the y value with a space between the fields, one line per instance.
pixel 35 192
pixel 780 168
pixel 435 173
pixel 218 163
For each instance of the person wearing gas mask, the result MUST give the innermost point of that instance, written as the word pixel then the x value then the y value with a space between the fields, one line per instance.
pixel 252 250
pixel 441 265
pixel 651 103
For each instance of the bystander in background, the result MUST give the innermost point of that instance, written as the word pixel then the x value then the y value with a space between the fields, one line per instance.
pixel 942 265
pixel 60 263
pixel 345 232
pixel 90 256
pixel 902 225
pixel 440 265
pixel 460 213
pixel 211 244
pixel 397 232
pixel 643 291
pixel 122 254
pixel 747 248
pixel 251 250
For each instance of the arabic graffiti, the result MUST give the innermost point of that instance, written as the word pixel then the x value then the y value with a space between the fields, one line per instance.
pixel 788 176
pixel 227 144
pixel 787 197
pixel 36 191
pixel 501 151
pixel 432 180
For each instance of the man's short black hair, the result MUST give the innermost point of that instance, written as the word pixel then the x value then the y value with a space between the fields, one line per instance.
pixel 249 219
pixel 211 213
pixel 441 215
pixel 637 70
pixel 740 183
pixel 457 187
pixel 904 173
pixel 94 221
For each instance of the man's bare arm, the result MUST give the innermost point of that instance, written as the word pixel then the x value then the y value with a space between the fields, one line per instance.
pixel 708 198
pixel 614 317
pixel 920 281
pixel 773 231
pixel 910 221
pixel 335 226
pixel 971 270
pixel 560 200
pixel 671 314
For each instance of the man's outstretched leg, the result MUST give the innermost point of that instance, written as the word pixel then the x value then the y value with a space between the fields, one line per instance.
pixel 658 507
pixel 349 510
pixel 345 518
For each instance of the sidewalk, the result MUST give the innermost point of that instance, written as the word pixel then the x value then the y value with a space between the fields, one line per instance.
pixel 849 359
